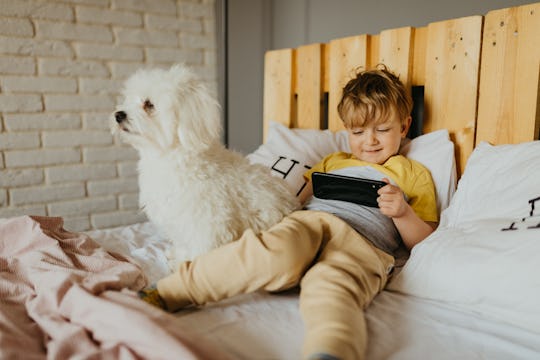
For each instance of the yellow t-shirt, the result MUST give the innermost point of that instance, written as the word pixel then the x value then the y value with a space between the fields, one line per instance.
pixel 412 178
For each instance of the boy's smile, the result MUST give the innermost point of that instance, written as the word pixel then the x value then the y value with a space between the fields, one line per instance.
pixel 376 141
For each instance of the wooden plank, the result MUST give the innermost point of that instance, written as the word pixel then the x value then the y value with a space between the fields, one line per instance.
pixel 451 87
pixel 347 55
pixel 278 88
pixel 309 87
pixel 326 67
pixel 373 53
pixel 396 52
pixel 508 109
pixel 419 56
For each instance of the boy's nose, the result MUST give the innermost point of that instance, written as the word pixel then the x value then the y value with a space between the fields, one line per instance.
pixel 372 137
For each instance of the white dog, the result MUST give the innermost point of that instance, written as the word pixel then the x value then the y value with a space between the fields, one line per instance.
pixel 200 194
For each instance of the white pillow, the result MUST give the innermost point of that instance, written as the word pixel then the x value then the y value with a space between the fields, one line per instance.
pixel 290 152
pixel 498 182
pixel 481 269
pixel 435 151
pixel 484 255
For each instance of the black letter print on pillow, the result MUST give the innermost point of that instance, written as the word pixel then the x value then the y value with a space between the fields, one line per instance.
pixel 285 173
pixel 531 214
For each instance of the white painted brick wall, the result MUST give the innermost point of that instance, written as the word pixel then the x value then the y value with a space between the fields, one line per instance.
pixel 40 157
pixel 18 140
pixel 83 207
pixel 80 172
pixel 72 68
pixel 38 84
pixel 3 197
pixel 29 47
pixel 45 194
pixel 128 201
pixel 62 65
pixel 17 65
pixel 21 177
pixel 41 121
pixel 22 102
pixel 117 218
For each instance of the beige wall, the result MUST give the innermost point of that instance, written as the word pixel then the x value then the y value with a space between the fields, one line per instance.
pixel 62 64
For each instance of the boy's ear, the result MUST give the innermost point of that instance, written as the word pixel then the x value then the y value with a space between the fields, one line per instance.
pixel 405 125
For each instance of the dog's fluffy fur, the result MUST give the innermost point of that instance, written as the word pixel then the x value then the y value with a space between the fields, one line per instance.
pixel 198 193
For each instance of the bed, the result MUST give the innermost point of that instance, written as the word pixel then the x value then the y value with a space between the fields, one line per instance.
pixel 469 291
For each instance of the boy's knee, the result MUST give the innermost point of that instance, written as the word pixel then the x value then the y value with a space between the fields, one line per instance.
pixel 289 263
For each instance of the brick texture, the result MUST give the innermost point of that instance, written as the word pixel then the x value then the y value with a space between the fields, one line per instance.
pixel 62 65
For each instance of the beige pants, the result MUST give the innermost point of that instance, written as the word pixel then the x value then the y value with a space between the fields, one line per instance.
pixel 339 273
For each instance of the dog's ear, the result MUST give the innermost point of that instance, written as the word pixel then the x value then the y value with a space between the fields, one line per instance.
pixel 200 123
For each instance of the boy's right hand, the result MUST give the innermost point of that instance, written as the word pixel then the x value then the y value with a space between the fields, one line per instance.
pixel 391 200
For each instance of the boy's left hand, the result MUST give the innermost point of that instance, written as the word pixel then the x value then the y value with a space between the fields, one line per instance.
pixel 391 200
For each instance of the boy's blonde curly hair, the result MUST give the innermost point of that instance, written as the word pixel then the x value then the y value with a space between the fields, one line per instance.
pixel 373 95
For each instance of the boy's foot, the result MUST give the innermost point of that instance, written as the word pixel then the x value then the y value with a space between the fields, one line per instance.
pixel 151 296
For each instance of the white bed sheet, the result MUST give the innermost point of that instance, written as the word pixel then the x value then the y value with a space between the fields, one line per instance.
pixel 268 326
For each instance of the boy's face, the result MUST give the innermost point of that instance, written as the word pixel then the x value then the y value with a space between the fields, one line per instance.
pixel 376 142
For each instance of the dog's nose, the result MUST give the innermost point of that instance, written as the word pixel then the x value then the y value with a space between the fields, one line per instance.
pixel 120 116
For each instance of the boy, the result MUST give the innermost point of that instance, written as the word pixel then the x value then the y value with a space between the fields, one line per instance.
pixel 340 253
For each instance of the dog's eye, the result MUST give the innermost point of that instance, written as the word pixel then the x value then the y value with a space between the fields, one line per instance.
pixel 148 106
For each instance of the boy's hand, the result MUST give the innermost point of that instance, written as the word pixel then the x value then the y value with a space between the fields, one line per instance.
pixel 410 226
pixel 391 200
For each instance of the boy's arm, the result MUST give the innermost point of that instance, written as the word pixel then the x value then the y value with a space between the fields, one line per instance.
pixel 306 193
pixel 413 229
pixel 410 226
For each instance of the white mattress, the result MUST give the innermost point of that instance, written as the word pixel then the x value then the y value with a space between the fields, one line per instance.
pixel 268 326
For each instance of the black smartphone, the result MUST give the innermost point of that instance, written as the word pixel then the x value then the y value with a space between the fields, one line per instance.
pixel 346 188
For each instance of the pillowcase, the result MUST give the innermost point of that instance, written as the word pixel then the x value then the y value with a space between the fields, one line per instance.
pixel 483 254
pixel 435 151
pixel 481 269
pixel 498 182
pixel 290 152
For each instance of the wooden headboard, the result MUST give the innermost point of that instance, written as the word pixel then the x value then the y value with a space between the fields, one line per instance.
pixel 480 76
